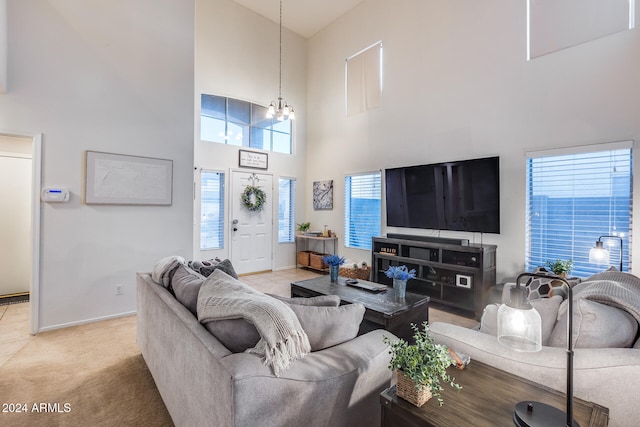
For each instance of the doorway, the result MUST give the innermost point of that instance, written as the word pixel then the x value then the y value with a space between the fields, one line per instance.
pixel 20 173
pixel 251 230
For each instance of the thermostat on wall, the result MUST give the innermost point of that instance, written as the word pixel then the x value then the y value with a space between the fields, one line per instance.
pixel 54 194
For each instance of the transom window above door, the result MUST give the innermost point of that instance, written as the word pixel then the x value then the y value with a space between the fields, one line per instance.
pixel 236 122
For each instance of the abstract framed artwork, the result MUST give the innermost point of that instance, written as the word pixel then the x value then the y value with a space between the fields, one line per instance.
pixel 323 195
pixel 118 179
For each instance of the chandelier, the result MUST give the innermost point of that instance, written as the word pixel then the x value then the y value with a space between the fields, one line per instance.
pixel 279 108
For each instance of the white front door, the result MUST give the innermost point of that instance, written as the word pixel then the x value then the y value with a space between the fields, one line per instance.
pixel 251 231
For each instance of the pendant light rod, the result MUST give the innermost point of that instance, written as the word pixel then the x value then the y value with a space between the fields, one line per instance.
pixel 279 108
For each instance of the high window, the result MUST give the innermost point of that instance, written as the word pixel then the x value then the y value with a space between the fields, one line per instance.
pixel 575 197
pixel 363 80
pixel 211 210
pixel 286 209
pixel 235 122
pixel 362 195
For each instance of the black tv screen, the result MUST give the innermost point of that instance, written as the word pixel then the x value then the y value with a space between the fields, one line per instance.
pixel 461 196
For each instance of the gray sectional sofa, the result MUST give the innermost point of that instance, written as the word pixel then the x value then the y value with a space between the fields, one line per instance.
pixel 604 372
pixel 203 383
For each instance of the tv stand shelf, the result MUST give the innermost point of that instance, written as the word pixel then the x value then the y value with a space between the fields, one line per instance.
pixel 452 274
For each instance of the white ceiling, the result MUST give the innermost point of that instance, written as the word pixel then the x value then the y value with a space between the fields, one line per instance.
pixel 305 17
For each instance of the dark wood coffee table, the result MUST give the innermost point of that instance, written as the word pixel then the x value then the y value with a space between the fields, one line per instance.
pixel 487 398
pixel 383 310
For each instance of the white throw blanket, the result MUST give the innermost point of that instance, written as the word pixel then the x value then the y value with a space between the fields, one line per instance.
pixel 282 338
pixel 163 270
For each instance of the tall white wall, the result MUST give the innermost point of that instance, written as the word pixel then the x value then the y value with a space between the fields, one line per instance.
pixel 237 55
pixel 457 86
pixel 107 76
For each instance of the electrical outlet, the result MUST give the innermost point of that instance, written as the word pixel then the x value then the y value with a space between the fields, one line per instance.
pixel 119 289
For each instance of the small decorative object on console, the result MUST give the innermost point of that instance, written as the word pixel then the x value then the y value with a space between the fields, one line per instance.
pixel 424 363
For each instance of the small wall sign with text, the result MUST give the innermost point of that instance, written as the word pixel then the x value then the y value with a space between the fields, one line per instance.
pixel 252 159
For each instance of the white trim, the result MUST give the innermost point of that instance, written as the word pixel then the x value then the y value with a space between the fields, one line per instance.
pixel 34 296
pixel 86 321
pixel 379 42
pixel 579 149
pixel 15 155
pixel 36 186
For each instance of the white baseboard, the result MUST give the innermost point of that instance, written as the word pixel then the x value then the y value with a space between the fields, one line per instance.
pixel 84 322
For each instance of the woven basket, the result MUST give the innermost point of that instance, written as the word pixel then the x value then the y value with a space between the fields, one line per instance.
pixel 303 258
pixel 355 273
pixel 315 261
pixel 406 389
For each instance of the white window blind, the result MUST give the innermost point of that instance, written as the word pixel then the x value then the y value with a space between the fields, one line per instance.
pixel 364 80
pixel 211 210
pixel 286 210
pixel 362 194
pixel 572 199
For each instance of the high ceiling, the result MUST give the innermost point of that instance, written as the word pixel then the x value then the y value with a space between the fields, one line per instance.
pixel 305 17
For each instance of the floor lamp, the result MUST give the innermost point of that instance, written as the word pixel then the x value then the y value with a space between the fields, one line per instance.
pixel 517 329
pixel 600 255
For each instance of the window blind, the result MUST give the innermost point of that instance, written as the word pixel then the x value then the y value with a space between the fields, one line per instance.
pixel 362 209
pixel 572 199
pixel 211 210
pixel 286 210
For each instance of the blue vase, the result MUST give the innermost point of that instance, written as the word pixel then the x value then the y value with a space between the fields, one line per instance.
pixel 333 272
pixel 400 287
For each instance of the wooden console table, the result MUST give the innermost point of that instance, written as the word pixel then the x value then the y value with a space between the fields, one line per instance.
pixel 488 398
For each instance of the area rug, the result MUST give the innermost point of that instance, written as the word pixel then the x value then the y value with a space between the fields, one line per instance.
pixel 14 299
pixel 88 375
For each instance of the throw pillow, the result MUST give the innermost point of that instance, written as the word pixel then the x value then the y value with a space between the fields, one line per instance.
pixel 207 267
pixel 547 308
pixel 329 326
pixel 318 301
pixel 595 325
pixel 186 284
pixel 325 326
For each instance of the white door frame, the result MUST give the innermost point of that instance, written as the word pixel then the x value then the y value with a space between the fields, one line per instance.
pixel 36 184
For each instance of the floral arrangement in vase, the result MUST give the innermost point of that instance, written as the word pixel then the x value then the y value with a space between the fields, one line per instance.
pixel 400 275
pixel 400 272
pixel 334 262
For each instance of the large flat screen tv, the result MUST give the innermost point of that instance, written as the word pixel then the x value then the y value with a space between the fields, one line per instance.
pixel 461 196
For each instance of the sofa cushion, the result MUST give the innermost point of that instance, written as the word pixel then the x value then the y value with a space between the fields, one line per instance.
pixel 186 284
pixel 325 327
pixel 329 326
pixel 595 325
pixel 546 307
pixel 207 267
pixel 318 301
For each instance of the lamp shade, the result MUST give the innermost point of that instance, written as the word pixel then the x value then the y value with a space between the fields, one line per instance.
pixel 519 329
pixel 519 324
pixel 599 255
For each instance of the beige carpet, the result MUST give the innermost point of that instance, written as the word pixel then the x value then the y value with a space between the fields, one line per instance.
pixel 93 375
pixel 93 372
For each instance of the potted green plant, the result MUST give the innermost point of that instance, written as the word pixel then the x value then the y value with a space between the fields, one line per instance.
pixel 420 367
pixel 560 267
pixel 303 227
